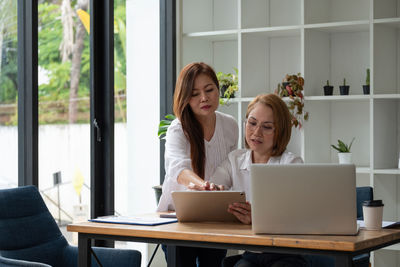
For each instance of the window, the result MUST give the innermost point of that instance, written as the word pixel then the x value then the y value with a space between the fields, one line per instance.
pixel 8 94
pixel 64 109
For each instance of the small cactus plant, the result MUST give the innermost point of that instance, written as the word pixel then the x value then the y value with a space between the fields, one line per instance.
pixel 328 89
pixel 344 89
pixel 342 147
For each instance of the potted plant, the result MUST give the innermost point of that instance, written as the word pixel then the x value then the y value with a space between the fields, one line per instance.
pixel 228 85
pixel 344 152
pixel 164 124
pixel 328 89
pixel 366 86
pixel 292 87
pixel 162 130
pixel 344 89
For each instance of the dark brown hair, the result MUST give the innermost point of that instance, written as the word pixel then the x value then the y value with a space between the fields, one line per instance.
pixel 190 125
pixel 282 121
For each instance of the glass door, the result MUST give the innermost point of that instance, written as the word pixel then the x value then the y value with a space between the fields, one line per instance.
pixel 8 94
pixel 64 110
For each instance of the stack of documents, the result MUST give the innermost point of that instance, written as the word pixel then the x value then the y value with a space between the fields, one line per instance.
pixel 136 220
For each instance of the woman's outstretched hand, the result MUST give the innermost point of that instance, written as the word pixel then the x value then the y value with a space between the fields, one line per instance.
pixel 242 211
pixel 206 186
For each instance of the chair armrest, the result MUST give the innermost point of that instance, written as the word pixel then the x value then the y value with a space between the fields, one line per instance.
pixel 230 261
pixel 6 262
pixel 108 257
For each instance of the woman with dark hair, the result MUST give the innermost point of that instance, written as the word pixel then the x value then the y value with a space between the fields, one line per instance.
pixel 197 142
pixel 268 131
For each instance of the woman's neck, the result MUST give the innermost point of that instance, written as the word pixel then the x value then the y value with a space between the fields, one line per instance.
pixel 208 124
pixel 260 158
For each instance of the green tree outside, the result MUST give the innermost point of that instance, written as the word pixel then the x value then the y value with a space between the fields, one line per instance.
pixel 54 94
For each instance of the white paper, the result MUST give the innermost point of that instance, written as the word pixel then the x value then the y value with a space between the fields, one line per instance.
pixel 384 223
pixel 134 220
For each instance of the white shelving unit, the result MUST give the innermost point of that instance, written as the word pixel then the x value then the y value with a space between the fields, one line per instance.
pixel 323 40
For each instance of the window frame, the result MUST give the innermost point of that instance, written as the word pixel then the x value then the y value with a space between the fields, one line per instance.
pixel 27 17
pixel 101 101
pixel 167 66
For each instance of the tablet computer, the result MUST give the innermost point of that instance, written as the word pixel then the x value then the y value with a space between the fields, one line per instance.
pixel 205 206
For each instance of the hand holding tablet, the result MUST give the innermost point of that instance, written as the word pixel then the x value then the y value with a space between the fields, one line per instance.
pixel 201 206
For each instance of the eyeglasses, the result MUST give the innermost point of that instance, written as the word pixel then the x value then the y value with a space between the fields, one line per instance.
pixel 266 128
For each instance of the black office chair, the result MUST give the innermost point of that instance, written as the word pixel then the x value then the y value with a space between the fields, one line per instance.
pixel 363 193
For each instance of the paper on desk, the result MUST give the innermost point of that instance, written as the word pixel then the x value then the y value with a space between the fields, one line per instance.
pixel 385 224
pixel 136 220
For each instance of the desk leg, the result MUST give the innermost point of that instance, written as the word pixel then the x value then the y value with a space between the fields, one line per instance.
pixel 343 261
pixel 84 244
pixel 171 256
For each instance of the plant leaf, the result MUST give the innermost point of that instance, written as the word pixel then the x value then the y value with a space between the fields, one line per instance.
pixel 161 133
pixel 170 117
pixel 163 123
pixel 351 143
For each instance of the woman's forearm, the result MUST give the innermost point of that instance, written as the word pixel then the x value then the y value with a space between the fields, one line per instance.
pixel 188 176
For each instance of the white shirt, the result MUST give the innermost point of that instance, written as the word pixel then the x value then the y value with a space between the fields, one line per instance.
pixel 177 154
pixel 234 172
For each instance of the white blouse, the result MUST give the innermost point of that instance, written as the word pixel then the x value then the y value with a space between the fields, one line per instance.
pixel 234 172
pixel 177 154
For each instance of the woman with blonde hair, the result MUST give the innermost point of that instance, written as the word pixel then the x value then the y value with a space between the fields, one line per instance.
pixel 197 142
pixel 268 130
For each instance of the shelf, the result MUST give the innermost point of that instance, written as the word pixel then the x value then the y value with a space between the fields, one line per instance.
pixel 386 96
pixel 270 13
pixel 260 50
pixel 209 15
pixel 219 48
pixel 247 99
pixel 386 57
pixel 214 35
pixel 233 100
pixel 386 9
pixel 315 98
pixel 338 97
pixel 323 40
pixel 276 31
pixel 345 26
pixel 321 11
pixel 387 171
pixel 363 170
pixel 333 120
pixel 391 22
pixel 334 56
pixel 386 134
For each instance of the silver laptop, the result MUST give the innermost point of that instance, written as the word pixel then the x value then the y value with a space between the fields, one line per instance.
pixel 304 199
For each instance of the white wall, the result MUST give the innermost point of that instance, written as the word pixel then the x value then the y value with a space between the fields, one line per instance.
pixel 143 86
pixel 143 98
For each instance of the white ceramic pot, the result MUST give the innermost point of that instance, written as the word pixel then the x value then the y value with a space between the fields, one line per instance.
pixel 345 158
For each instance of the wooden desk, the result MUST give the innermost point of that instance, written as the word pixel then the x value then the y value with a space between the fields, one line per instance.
pixel 232 236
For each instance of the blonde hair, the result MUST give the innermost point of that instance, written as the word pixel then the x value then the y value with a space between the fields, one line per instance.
pixel 282 120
